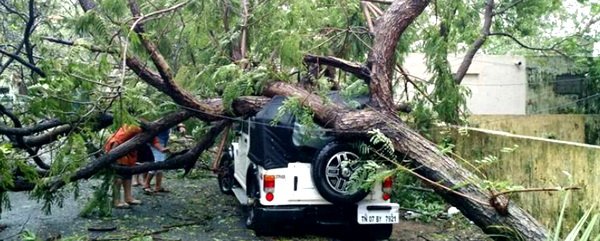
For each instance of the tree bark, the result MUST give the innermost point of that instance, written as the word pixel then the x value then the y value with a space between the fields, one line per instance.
pixel 388 30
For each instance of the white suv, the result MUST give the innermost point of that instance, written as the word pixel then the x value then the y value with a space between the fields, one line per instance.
pixel 286 174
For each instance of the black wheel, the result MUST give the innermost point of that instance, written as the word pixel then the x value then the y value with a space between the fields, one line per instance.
pixel 331 171
pixel 225 174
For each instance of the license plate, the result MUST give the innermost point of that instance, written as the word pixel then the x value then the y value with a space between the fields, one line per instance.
pixel 377 213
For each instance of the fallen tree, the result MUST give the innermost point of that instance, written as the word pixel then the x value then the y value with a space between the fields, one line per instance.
pixel 476 204
pixel 454 183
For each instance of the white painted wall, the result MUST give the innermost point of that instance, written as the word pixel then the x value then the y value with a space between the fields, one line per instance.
pixel 498 83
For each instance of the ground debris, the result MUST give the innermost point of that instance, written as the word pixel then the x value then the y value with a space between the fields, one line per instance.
pixel 194 210
pixel 152 233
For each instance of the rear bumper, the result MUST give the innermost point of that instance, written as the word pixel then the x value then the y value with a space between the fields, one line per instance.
pixel 310 214
pixel 284 213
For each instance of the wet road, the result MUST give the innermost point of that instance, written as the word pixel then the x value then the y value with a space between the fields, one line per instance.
pixel 193 210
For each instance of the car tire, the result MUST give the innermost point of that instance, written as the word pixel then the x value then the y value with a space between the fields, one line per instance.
pixel 225 174
pixel 331 177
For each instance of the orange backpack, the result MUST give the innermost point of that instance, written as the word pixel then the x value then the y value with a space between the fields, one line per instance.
pixel 123 134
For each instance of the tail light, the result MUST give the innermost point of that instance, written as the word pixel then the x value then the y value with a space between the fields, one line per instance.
pixel 269 183
pixel 269 196
pixel 269 186
pixel 386 187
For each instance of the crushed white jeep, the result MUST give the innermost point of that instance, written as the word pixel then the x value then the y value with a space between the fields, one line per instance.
pixel 287 174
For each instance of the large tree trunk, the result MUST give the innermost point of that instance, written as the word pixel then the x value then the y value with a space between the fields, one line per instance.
pixel 389 28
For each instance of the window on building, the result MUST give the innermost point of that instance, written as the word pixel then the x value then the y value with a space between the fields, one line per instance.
pixel 569 84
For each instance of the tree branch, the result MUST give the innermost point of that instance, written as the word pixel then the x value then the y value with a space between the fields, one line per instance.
pixel 157 58
pixel 409 80
pixel 144 72
pixel 102 121
pixel 553 49
pixel 186 159
pixel 208 110
pixel 243 41
pixel 377 12
pixel 10 60
pixel 379 1
pixel 25 131
pixel 485 32
pixel 367 16
pixel 28 30
pixel 168 86
pixel 24 62
pixel 12 10
pixel 247 105
pixel 359 70
pixel 90 47
pixel 20 185
pixel 150 131
pixel 25 42
pixel 547 189
pixel 20 140
pixel 144 18
pixel 511 5
pixel 425 159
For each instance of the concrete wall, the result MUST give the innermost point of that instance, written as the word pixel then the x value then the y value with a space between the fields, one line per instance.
pixel 498 83
pixel 559 127
pixel 538 162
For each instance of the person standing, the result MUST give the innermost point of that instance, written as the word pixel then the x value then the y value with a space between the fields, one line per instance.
pixel 123 134
pixel 179 139
pixel 159 151
pixel 144 155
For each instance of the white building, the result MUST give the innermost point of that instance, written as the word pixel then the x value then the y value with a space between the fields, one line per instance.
pixel 498 83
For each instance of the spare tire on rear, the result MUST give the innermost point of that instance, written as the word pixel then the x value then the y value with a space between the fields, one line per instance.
pixel 331 171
